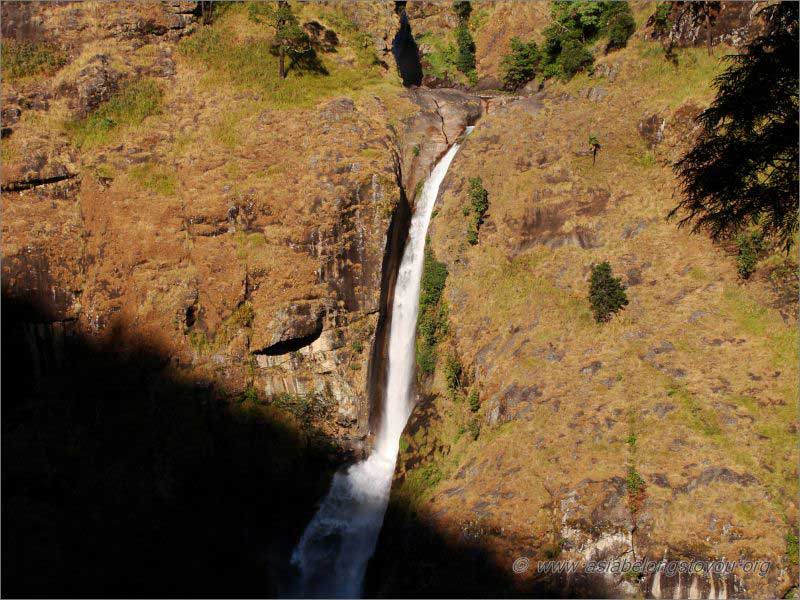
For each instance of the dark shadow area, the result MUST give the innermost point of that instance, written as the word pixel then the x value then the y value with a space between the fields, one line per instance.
pixel 418 562
pixel 292 345
pixel 405 50
pixel 308 62
pixel 121 478
pixel 415 560
pixel 379 356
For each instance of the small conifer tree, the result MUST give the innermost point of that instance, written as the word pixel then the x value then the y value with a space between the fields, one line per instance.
pixel 479 201
pixel 606 293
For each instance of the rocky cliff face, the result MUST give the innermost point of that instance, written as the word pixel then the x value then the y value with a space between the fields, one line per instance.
pixel 250 250
pixel 731 23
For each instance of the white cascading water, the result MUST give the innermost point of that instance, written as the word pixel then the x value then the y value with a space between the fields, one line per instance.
pixel 332 555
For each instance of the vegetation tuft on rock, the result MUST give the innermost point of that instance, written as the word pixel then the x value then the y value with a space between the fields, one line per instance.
pixel 28 59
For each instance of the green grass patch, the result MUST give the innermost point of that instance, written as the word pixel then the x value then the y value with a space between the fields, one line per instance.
pixel 792 546
pixel 763 322
pixel 699 418
pixel 155 178
pixel 199 342
pixel 8 151
pixel 105 171
pixel 420 481
pixel 29 59
pixel 404 444
pixel 248 244
pixel 517 286
pixel 129 107
pixel 690 79
pixel 646 159
pixel 370 153
pixel 226 131
pixel 248 62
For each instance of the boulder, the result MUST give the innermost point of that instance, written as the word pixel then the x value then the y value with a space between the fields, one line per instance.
pixel 95 84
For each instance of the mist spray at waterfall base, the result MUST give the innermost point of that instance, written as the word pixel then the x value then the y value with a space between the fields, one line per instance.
pixel 333 553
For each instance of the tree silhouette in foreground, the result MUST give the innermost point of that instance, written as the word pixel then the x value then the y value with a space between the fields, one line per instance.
pixel 742 170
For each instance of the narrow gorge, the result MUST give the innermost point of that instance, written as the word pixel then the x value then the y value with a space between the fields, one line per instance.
pixel 332 554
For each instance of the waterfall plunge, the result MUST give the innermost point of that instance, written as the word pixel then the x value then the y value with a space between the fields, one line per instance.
pixel 332 555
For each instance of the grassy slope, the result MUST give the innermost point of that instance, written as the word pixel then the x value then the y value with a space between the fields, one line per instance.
pixel 729 380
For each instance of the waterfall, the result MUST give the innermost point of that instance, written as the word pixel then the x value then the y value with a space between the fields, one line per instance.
pixel 332 555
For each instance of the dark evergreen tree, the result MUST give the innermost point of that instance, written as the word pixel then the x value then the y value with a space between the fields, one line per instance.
pixel 606 293
pixel 465 57
pixel 465 45
pixel 743 169
pixel 618 25
pixel 463 9
pixel 520 65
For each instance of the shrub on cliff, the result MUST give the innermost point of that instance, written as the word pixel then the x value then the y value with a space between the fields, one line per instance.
pixel 474 400
pixel 749 246
pixel 606 293
pixel 519 66
pixel 479 203
pixel 432 318
pixel 452 374
pixel 574 57
pixel 618 25
pixel 577 24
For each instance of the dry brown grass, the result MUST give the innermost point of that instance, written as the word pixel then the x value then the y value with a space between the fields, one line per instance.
pixel 728 375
